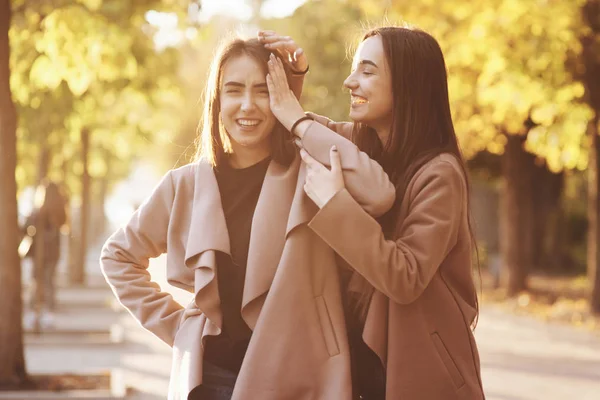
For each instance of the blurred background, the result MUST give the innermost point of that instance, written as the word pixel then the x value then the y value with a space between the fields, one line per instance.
pixel 99 98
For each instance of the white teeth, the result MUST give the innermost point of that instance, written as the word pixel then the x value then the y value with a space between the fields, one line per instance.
pixel 248 122
pixel 358 100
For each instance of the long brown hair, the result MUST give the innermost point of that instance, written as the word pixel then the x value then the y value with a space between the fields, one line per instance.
pixel 213 142
pixel 421 127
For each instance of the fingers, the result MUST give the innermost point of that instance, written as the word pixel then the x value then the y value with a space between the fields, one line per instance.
pixel 265 33
pixel 273 76
pixel 271 88
pixel 307 158
pixel 277 72
pixel 313 166
pixel 278 40
pixel 334 157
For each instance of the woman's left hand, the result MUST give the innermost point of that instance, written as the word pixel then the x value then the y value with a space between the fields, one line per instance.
pixel 287 49
pixel 322 184
pixel 284 105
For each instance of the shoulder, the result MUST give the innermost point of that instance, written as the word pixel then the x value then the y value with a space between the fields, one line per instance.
pixel 186 175
pixel 441 172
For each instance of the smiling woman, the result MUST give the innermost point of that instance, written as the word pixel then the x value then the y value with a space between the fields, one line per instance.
pixel 237 120
pixel 267 317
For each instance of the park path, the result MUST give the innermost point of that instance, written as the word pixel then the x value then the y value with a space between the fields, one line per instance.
pixel 521 358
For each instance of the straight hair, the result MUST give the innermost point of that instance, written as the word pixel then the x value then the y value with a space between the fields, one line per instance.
pixel 213 142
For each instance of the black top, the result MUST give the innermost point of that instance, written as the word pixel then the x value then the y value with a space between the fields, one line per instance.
pixel 368 373
pixel 239 190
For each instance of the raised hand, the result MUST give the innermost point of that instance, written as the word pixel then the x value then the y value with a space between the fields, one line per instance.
pixel 287 49
pixel 284 105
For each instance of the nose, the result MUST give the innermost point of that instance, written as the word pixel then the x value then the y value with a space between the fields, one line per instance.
pixel 351 82
pixel 247 103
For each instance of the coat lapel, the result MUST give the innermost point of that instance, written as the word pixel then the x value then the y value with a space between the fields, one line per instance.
pixel 207 235
pixel 282 205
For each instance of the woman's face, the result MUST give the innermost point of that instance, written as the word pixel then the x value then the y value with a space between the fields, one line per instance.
pixel 245 109
pixel 370 83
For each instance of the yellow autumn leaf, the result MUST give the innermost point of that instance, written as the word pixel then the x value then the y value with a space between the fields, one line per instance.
pixel 44 74
pixel 92 5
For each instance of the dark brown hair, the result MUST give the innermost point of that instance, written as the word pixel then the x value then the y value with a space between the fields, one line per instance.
pixel 213 142
pixel 421 127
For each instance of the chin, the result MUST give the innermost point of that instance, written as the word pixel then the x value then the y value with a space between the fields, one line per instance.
pixel 252 141
pixel 357 116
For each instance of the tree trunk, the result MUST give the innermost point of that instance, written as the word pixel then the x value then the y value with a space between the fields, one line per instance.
pixel 547 246
pixel 78 276
pixel 12 364
pixel 43 162
pixel 593 245
pixel 516 214
pixel 590 49
pixel 102 195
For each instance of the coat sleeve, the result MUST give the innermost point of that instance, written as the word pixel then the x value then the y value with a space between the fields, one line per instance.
pixel 124 262
pixel 403 268
pixel 364 178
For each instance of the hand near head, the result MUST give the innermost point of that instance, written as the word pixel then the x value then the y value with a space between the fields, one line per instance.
pixel 287 49
pixel 322 184
pixel 284 105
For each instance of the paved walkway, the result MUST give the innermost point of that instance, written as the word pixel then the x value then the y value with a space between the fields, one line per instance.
pixel 522 359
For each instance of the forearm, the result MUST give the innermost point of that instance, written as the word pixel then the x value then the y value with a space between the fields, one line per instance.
pixel 364 178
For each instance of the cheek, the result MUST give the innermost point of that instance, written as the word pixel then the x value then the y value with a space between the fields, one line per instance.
pixel 227 106
pixel 265 107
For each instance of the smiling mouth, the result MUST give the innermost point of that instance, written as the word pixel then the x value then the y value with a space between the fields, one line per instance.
pixel 248 123
pixel 357 100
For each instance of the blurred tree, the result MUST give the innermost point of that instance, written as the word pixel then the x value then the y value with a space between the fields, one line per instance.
pixel 89 65
pixel 511 94
pixel 80 69
pixel 588 71
pixel 12 367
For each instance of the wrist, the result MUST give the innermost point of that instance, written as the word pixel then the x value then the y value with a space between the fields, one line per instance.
pixel 302 127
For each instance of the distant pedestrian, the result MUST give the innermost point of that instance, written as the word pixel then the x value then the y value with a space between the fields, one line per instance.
pixel 43 227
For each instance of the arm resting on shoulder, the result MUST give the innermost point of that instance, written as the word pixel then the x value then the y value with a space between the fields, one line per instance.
pixel 364 178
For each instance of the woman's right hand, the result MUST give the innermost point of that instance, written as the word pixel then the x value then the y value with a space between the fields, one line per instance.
pixel 287 48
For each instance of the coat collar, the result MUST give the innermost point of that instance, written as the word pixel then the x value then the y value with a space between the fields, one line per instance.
pixel 282 206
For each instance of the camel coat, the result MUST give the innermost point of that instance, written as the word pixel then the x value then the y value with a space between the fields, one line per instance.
pixel 418 321
pixel 291 300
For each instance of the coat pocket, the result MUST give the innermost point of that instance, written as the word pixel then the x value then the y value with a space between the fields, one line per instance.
pixel 327 327
pixel 447 360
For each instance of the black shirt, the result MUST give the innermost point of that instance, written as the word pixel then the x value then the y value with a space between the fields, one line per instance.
pixel 239 190
pixel 368 373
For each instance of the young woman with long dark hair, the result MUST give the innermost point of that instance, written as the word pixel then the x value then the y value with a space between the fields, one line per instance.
pixel 411 300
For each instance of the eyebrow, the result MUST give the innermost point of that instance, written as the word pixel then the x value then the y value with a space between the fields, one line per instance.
pixel 241 85
pixel 369 62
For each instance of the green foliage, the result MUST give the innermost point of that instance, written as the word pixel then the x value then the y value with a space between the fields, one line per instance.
pixel 507 71
pixel 89 64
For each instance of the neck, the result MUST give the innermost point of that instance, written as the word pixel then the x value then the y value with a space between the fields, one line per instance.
pixel 383 128
pixel 383 132
pixel 243 157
